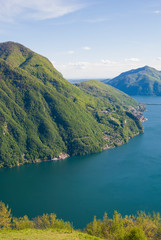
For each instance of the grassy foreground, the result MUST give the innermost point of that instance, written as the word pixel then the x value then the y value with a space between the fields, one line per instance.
pixel 34 234
pixel 47 226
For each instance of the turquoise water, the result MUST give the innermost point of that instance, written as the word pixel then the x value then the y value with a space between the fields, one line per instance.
pixel 126 179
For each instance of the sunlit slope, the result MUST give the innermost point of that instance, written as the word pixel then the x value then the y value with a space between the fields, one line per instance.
pixel 113 112
pixel 42 114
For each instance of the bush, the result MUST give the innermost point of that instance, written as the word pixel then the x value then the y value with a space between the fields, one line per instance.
pixel 22 223
pixel 136 233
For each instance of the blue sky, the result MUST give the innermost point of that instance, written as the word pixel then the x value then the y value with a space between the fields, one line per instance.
pixel 86 38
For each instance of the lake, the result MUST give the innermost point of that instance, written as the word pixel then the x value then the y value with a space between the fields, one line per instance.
pixel 126 179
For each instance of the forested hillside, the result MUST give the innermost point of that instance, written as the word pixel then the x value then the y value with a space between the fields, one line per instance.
pixel 142 81
pixel 42 115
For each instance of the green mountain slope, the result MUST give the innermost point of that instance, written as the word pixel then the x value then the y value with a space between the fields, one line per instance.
pixel 113 112
pixel 107 94
pixel 43 115
pixel 141 81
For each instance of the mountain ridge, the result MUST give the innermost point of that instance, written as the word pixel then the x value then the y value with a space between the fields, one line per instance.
pixel 43 116
pixel 140 81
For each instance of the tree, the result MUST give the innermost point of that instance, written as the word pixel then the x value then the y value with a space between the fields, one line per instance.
pixel 5 216
pixel 117 230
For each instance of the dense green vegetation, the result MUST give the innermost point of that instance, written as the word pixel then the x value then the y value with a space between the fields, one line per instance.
pixel 117 123
pixel 139 227
pixel 43 115
pixel 107 94
pixel 141 81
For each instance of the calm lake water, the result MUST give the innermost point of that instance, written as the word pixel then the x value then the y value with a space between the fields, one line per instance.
pixel 126 179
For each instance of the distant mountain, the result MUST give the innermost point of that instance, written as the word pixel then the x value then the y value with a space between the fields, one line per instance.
pixel 44 117
pixel 141 81
pixel 105 80
pixel 75 81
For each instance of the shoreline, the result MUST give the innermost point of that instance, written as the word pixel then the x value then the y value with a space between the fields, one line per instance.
pixel 63 156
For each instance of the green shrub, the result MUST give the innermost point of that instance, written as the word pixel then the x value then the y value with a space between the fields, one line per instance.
pixel 136 233
pixel 22 223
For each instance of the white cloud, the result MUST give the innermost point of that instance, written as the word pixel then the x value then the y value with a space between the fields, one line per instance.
pixel 37 9
pixel 108 62
pixel 86 48
pixel 104 68
pixel 157 12
pixel 84 69
pixel 78 65
pixel 70 52
pixel 132 59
